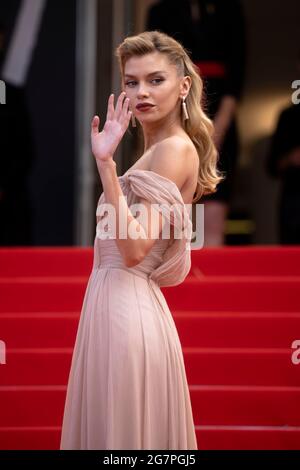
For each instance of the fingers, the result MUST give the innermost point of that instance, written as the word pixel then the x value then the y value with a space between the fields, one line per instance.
pixel 95 125
pixel 120 105
pixel 128 117
pixel 110 108
pixel 122 108
pixel 126 113
pixel 125 108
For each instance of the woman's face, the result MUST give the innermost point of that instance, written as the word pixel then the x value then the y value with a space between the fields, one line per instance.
pixel 152 79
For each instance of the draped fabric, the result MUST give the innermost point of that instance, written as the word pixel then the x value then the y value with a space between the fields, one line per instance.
pixel 127 386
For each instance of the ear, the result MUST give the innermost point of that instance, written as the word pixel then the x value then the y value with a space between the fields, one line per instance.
pixel 185 85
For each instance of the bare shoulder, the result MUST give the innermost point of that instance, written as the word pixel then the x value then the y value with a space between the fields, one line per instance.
pixel 175 158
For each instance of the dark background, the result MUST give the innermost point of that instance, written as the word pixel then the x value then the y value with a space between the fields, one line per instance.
pixel 50 92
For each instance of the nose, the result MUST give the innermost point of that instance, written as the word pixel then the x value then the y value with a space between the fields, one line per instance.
pixel 142 91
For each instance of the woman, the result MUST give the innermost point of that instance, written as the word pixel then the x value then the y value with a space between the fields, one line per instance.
pixel 127 386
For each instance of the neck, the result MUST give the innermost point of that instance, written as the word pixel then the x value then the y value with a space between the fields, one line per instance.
pixel 159 130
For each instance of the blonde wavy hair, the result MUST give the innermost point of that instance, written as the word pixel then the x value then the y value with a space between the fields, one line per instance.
pixel 199 127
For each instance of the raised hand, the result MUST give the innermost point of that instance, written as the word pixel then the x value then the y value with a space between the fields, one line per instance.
pixel 105 143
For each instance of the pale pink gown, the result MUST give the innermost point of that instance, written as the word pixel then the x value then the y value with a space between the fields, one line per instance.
pixel 127 386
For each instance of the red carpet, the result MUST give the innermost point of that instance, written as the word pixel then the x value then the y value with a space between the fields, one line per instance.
pixel 237 315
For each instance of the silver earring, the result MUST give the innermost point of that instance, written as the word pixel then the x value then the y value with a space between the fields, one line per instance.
pixel 184 110
pixel 133 123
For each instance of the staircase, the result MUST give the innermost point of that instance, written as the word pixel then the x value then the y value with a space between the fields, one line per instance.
pixel 237 315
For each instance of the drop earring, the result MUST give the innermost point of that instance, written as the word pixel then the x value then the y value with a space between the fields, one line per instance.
pixel 184 110
pixel 133 123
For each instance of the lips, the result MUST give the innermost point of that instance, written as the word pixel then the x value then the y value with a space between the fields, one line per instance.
pixel 144 105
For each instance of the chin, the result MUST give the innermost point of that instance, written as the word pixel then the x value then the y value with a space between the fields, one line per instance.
pixel 152 119
pixel 148 120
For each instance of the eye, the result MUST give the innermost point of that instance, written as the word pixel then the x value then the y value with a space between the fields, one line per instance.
pixel 157 81
pixel 130 84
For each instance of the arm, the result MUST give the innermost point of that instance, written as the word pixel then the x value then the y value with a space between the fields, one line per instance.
pixel 104 145
pixel 128 247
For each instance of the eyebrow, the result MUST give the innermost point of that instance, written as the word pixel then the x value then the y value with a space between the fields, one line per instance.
pixel 158 72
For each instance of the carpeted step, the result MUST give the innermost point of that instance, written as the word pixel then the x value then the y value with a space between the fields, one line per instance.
pixel 214 366
pixel 47 294
pixel 237 329
pixel 233 366
pixel 267 294
pixel 236 293
pixel 245 405
pixel 237 314
pixel 208 438
pixel 46 261
pixel 212 404
pixel 39 329
pixel 248 437
pixel 246 261
pixel 228 260
pixel 30 437
pixel 203 329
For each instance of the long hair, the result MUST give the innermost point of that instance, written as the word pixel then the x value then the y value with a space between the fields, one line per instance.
pixel 199 127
